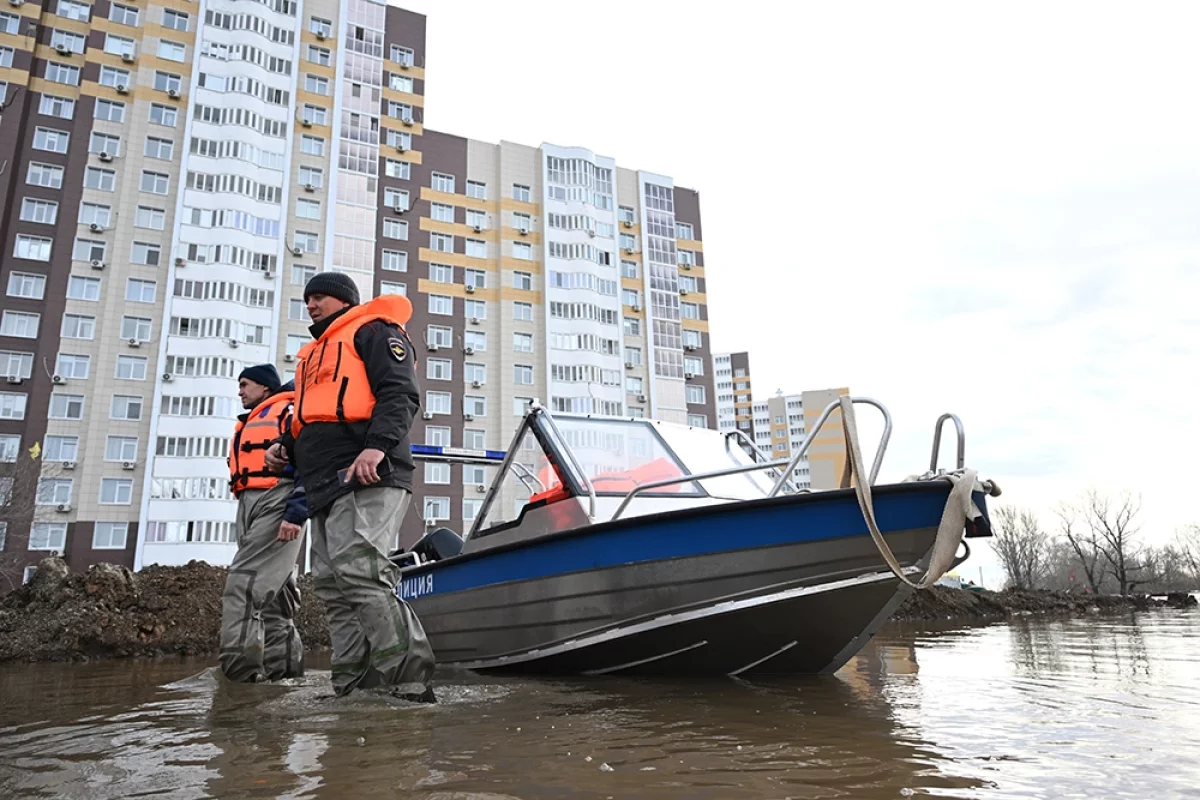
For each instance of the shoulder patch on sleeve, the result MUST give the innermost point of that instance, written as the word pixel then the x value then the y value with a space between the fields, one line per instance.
pixel 398 348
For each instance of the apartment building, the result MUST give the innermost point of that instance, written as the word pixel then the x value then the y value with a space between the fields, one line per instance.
pixel 172 176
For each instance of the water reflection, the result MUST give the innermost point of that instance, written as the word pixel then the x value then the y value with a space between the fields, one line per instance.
pixel 1029 708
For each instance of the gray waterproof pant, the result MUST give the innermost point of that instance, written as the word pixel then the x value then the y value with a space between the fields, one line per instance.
pixel 377 639
pixel 259 640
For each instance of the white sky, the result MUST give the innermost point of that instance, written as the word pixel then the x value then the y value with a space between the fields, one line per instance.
pixel 946 206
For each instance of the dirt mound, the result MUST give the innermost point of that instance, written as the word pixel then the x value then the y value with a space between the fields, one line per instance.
pixel 944 602
pixel 110 612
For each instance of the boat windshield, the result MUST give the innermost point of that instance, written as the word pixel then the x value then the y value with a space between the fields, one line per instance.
pixel 618 455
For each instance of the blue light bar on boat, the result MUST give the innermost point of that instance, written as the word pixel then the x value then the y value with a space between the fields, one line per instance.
pixel 429 452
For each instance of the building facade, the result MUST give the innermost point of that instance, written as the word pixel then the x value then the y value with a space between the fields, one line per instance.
pixel 174 173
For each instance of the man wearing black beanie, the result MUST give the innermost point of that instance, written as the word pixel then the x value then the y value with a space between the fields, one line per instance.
pixel 356 398
pixel 259 640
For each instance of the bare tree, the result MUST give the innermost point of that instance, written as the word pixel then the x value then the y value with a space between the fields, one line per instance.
pixel 1083 543
pixel 1187 542
pixel 1114 528
pixel 1022 546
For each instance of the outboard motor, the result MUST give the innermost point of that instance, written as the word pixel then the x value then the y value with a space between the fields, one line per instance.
pixel 438 544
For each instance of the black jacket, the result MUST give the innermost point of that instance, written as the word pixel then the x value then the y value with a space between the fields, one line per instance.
pixel 325 448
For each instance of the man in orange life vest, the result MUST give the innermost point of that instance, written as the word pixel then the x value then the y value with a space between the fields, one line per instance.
pixel 356 398
pixel 259 640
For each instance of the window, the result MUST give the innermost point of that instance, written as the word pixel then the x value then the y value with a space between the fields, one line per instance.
pixel 522 375
pixel 522 251
pixel 137 290
pixel 95 214
pixel 306 241
pixel 397 169
pixel 104 143
pixel 171 51
pixel 475 406
pixel 633 385
pixel 684 230
pixel 319 55
pixel 437 436
pixel 437 508
pixel 440 212
pixel 62 73
pixel 523 222
pixel 109 110
pixel 26 284
pixel 401 55
pixel 475 309
pixel 104 180
pixel 685 257
pixel 78 326
pixel 312 176
pixel 523 280
pixel 72 42
pixel 70 365
pixel 146 253
pixel 693 365
pixel 111 76
pixel 474 439
pixel 312 145
pixel 477 190
pixel 163 115
pixel 153 218
pixel 470 508
pixel 523 342
pixel 66 406
pixel 135 328
pixel 60 448
pixel 695 394
pixel 629 269
pixel 46 536
pixel 632 326
pixel 6 59
pixel 437 472
pixel 401 83
pixel 308 209
pixel 441 304
pixel 10 448
pixel 51 106
pixel 701 421
pixel 175 20
pixel 439 369
pixel 320 27
pixel 475 373
pixel 633 356
pixel 476 248
pixel 89 250
pixel 9 23
pixel 520 192
pixel 16 365
pixel 159 148
pixel 625 213
pixel 441 243
pixel 627 242
pixel 440 336
pixel 521 405
pixel 19 324
pixel 689 310
pixel 630 297
pixel 46 175
pixel 116 491
pixel 687 284
pixel 69 9
pixel 441 182
pixel 301 274
pixel 475 277
pixel 477 218
pixel 395 229
pixel 167 82
pixel 389 287
pixel 691 339
pixel 313 115
pixel 126 407
pixel 394 261
pixel 131 368
pixel 396 199
pixel 12 406
pixel 79 288
pixel 110 535
pixel 297 309
pixel 437 402
pixel 155 182
pixel 123 15
pixel 49 139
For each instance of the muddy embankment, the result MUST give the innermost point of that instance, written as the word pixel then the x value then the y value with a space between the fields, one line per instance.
pixel 110 612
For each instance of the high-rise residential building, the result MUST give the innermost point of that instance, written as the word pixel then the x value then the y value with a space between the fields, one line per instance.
pixel 780 424
pixel 731 372
pixel 172 176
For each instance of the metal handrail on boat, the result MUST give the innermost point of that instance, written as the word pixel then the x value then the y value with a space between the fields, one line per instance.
pixel 789 464
pixel 755 452
pixel 587 484
pixel 937 442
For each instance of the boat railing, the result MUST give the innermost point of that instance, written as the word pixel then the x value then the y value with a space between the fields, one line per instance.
pixel 755 452
pixel 788 464
pixel 574 463
pixel 937 442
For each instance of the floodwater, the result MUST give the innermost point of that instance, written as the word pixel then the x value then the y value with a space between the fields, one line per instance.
pixel 1098 707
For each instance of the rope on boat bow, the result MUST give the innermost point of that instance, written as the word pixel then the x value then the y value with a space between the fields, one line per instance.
pixel 959 507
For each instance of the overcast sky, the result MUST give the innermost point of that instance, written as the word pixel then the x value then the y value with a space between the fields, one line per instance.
pixel 946 206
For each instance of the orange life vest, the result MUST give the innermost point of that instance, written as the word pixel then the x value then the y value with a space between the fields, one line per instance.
pixel 248 449
pixel 331 378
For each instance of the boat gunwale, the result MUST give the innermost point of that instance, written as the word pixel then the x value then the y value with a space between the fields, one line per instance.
pixel 829 495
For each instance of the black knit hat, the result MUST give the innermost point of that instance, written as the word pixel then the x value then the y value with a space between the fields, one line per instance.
pixel 263 375
pixel 333 284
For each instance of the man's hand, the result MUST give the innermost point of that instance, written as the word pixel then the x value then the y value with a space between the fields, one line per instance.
pixel 277 458
pixel 288 531
pixel 363 468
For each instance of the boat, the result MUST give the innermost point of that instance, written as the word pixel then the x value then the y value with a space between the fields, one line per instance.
pixel 632 546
